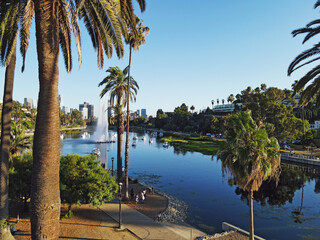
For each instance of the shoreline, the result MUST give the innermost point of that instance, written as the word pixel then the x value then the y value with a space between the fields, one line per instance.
pixel 176 211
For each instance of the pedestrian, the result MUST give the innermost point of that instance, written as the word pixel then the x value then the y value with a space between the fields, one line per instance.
pixel 145 193
pixel 137 198
pixel 142 197
pixel 159 216
pixel 132 194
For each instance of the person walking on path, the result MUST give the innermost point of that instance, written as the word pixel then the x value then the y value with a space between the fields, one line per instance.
pixel 144 193
pixel 142 197
pixel 159 217
pixel 137 198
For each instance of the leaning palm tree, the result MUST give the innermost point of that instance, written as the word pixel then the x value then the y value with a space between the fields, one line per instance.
pixel 116 83
pixel 312 91
pixel 18 13
pixel 136 38
pixel 249 155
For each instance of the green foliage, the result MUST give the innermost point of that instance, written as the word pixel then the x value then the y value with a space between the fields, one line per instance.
pixel 19 141
pixel 4 223
pixel 249 154
pixel 20 177
pixel 270 106
pixel 206 146
pixel 68 215
pixel 84 181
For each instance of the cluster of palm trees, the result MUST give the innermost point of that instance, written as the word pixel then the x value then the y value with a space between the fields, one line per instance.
pixel 107 22
pixel 123 88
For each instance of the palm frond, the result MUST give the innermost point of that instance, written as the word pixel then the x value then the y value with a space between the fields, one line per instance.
pixel 26 21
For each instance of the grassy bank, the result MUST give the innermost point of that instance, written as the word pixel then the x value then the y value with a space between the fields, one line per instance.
pixel 204 145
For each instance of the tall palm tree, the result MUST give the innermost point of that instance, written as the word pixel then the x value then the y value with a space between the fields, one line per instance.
pixel 17 13
pixel 249 155
pixel 55 21
pixel 312 91
pixel 136 38
pixel 117 84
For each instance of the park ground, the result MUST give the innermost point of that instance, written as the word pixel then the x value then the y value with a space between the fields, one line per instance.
pixel 91 222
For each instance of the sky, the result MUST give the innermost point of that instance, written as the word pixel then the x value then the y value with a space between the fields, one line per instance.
pixel 197 51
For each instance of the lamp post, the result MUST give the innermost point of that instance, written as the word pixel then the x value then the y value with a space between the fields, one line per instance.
pixel 120 219
pixel 112 159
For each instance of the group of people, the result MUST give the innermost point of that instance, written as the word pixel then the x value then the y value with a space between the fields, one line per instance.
pixel 141 197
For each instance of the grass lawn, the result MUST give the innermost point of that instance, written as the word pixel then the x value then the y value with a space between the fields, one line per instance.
pixel 204 145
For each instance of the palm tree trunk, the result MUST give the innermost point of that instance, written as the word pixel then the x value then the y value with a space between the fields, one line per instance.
pixel 45 194
pixel 120 130
pixel 251 216
pixel 127 137
pixel 5 135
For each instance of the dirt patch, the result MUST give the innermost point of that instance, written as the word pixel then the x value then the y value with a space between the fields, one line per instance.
pixel 88 223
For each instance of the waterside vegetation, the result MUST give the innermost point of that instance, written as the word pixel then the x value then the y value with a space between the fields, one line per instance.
pixel 204 145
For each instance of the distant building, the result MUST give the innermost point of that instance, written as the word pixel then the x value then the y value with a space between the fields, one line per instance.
pixel 84 113
pixel 144 112
pixel 28 102
pixel 60 102
pixel 65 109
pixel 225 108
pixel 86 110
pixel 138 112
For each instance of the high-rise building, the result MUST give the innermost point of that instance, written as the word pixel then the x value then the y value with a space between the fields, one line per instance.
pixel 86 110
pixel 60 102
pixel 84 113
pixel 144 112
pixel 65 109
pixel 28 102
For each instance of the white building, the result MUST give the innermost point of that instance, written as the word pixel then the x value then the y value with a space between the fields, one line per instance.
pixel 84 113
pixel 223 108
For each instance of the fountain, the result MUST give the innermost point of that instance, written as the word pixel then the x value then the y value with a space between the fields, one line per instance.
pixel 101 132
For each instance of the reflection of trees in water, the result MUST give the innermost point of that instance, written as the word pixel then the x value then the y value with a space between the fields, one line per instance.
pixel 292 178
pixel 178 151
pixel 317 185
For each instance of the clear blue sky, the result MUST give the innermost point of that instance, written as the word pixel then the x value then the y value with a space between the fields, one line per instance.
pixel 196 51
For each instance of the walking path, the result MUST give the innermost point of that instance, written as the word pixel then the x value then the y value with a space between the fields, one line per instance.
pixel 145 227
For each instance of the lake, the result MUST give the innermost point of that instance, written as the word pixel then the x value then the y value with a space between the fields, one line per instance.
pixel 289 210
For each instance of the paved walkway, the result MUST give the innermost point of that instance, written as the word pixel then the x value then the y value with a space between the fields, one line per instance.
pixel 145 227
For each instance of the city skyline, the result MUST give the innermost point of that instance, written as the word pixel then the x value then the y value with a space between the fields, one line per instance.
pixel 222 49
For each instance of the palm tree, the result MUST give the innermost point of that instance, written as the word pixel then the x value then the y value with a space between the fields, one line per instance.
pixel 312 91
pixel 212 102
pixel 117 84
pixel 231 98
pixel 249 155
pixel 19 141
pixel 218 101
pixel 55 21
pixel 192 108
pixel 134 41
pixel 18 12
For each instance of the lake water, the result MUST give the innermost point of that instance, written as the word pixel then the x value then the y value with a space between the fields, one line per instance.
pixel 290 210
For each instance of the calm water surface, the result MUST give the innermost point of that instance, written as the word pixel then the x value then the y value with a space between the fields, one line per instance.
pixel 198 180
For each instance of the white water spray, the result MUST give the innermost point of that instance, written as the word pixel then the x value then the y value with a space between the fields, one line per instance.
pixel 101 133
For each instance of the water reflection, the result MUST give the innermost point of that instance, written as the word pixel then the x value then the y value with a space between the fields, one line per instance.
pixel 197 179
